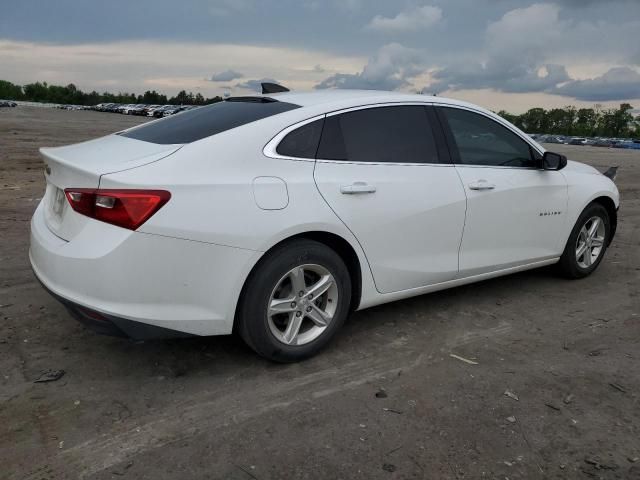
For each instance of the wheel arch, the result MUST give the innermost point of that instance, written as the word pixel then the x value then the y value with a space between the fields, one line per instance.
pixel 610 206
pixel 338 244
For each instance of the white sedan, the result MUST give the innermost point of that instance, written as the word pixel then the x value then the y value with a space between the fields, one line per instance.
pixel 277 215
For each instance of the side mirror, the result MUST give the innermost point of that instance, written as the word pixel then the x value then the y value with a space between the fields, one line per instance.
pixel 553 161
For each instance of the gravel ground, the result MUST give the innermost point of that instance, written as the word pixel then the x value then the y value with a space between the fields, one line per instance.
pixel 385 400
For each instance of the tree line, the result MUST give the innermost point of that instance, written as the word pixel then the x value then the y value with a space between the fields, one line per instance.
pixel 70 94
pixel 582 122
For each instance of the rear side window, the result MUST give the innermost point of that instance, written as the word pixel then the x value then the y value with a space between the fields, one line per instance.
pixel 192 125
pixel 382 135
pixel 482 141
pixel 302 142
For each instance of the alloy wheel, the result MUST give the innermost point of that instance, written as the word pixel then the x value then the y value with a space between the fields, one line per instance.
pixel 590 242
pixel 302 304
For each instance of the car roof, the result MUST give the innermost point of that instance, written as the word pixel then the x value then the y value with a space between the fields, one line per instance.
pixel 321 102
pixel 343 98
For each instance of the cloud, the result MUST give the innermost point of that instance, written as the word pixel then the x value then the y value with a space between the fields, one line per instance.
pixel 516 52
pixel 585 3
pixel 620 83
pixel 414 19
pixel 138 66
pixel 526 33
pixel 517 58
pixel 389 69
pixel 348 5
pixel 225 8
pixel 225 76
pixel 533 48
pixel 497 75
pixel 255 85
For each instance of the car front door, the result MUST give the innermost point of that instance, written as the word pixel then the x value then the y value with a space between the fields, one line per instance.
pixel 516 211
pixel 379 169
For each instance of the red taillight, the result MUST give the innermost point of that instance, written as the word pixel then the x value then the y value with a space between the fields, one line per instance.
pixel 124 208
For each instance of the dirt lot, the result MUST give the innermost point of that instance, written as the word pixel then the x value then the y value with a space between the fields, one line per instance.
pixel 209 408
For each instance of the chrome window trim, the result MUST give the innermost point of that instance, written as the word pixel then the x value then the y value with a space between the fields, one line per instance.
pixel 400 164
pixel 270 148
pixel 378 105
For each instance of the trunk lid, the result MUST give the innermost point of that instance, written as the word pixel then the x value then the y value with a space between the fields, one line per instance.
pixel 81 165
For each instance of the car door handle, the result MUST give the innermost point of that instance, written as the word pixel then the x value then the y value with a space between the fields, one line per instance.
pixel 481 185
pixel 357 187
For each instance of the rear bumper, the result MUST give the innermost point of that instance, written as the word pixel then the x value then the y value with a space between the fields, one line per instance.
pixel 137 281
pixel 104 324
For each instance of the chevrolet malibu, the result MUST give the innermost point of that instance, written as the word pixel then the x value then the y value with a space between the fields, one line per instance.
pixel 277 215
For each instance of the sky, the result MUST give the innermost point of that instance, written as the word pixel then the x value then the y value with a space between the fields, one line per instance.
pixel 501 54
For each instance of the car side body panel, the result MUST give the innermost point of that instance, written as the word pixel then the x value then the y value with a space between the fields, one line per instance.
pixel 185 268
pixel 410 227
pixel 518 221
pixel 220 194
pixel 530 212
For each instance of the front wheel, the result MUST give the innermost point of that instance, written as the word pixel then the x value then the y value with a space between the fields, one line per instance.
pixel 295 301
pixel 587 243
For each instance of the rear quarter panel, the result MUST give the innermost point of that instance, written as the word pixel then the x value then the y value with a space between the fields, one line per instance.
pixel 212 197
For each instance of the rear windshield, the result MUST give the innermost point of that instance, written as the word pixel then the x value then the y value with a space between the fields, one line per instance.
pixel 191 125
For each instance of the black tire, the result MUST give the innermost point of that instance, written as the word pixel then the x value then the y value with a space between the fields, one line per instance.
pixel 252 318
pixel 568 265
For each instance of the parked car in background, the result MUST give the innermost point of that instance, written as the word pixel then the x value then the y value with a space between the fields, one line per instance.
pixel 159 112
pixel 115 108
pixel 151 111
pixel 605 142
pixel 102 107
pixel 577 141
pixel 549 139
pixel 148 108
pixel 8 103
pixel 173 110
pixel 623 143
pixel 139 109
pixel 72 107
pixel 276 216
pixel 125 109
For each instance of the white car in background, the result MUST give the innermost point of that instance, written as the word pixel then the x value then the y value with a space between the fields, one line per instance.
pixel 277 215
pixel 127 109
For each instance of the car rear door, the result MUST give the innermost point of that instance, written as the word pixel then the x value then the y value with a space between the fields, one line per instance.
pixel 516 211
pixel 379 168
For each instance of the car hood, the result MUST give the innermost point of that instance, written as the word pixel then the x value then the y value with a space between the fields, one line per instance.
pixel 578 167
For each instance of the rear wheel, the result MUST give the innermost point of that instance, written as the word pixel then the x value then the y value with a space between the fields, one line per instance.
pixel 587 243
pixel 295 301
